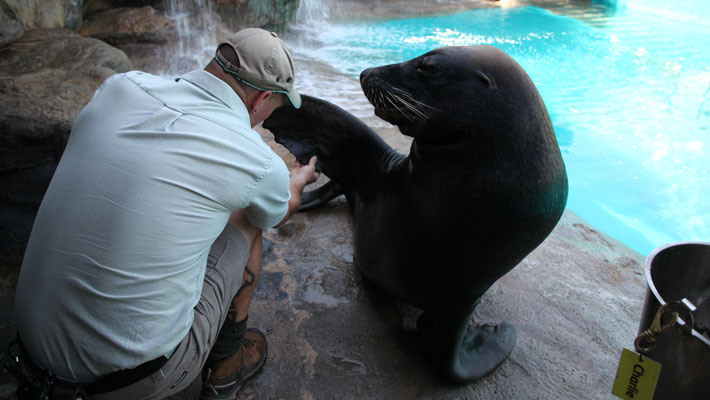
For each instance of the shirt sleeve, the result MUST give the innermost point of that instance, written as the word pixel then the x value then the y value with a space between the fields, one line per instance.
pixel 269 204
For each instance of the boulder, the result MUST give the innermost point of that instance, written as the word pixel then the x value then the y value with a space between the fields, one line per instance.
pixel 159 41
pixel 129 25
pixel 11 27
pixel 16 16
pixel 142 33
pixel 46 78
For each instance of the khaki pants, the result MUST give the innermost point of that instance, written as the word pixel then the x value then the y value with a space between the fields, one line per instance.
pixel 223 278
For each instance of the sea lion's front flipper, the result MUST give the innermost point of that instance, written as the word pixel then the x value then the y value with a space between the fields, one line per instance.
pixel 348 151
pixel 317 197
pixel 464 353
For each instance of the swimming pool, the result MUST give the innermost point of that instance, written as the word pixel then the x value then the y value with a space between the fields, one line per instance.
pixel 627 88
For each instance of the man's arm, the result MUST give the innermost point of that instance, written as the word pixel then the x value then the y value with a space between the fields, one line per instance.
pixel 238 219
pixel 301 175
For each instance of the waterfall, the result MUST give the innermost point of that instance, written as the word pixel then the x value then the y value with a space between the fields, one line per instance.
pixel 311 11
pixel 309 22
pixel 196 28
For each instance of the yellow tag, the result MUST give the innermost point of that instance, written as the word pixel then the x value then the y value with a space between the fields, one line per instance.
pixel 636 377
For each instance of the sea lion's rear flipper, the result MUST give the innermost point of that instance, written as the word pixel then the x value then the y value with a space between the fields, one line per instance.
pixel 461 352
pixel 348 151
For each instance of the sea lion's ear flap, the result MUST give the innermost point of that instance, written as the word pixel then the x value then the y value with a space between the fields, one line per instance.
pixel 487 79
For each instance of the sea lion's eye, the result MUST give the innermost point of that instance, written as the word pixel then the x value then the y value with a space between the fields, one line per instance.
pixel 485 78
pixel 427 67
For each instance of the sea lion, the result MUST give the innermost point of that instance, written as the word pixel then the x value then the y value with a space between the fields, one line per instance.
pixel 483 185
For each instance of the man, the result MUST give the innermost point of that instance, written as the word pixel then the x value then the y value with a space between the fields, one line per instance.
pixel 146 249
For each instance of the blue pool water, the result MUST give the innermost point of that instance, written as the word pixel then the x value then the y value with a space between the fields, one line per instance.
pixel 628 91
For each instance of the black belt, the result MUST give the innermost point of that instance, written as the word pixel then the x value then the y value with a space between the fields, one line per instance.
pixel 123 378
pixel 107 383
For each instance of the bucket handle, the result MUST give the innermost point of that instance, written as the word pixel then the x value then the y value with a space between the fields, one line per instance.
pixel 646 341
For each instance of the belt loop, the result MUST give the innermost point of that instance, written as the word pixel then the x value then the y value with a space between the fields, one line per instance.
pixel 158 376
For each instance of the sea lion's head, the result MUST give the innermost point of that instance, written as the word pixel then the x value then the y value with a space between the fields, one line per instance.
pixel 455 92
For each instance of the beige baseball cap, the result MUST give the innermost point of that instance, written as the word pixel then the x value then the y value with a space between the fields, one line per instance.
pixel 264 62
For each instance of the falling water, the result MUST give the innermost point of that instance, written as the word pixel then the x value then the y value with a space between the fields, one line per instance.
pixel 197 29
pixel 311 11
pixel 311 17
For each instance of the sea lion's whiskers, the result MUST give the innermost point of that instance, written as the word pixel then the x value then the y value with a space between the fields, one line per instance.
pixel 414 100
pixel 394 104
pixel 416 111
pixel 411 110
pixel 411 107
pixel 399 99
pixel 374 96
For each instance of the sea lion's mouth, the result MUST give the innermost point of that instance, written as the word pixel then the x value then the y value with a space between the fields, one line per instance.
pixel 391 115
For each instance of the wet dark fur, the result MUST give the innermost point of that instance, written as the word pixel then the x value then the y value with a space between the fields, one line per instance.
pixel 484 183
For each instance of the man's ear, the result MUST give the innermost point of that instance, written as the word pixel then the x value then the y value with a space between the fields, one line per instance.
pixel 259 98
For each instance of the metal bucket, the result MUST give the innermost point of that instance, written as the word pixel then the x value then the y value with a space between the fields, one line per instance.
pixel 675 272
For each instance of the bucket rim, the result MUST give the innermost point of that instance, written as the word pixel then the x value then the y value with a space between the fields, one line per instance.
pixel 652 287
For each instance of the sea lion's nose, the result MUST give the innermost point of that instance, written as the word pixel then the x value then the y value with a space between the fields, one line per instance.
pixel 364 75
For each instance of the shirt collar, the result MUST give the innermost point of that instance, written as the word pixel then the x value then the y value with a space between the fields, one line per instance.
pixel 215 87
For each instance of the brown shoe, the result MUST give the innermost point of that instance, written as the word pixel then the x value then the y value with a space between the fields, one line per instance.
pixel 224 379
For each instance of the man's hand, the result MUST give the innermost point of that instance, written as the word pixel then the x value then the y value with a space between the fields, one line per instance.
pixel 304 174
pixel 301 175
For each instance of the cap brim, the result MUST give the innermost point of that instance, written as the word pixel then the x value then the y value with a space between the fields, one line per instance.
pixel 294 97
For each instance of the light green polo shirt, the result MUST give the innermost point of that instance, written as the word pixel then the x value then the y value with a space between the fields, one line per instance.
pixel 117 254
